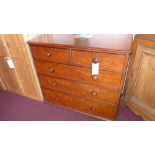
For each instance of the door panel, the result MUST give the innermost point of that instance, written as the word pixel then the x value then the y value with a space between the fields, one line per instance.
pixel 10 76
pixel 144 89
pixel 26 79
pixel 22 79
pixel 15 45
pixel 139 92
pixel 3 83
pixel 3 49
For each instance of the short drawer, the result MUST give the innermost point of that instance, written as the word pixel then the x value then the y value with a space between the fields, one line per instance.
pixel 106 111
pixel 107 95
pixel 51 54
pixel 106 60
pixel 105 78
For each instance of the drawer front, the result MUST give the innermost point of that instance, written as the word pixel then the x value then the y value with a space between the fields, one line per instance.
pixel 106 111
pixel 51 54
pixel 106 60
pixel 105 78
pixel 105 95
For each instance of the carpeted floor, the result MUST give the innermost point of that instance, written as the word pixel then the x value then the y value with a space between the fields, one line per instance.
pixel 18 108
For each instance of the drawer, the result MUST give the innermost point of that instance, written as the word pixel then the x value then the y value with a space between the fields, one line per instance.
pixel 105 78
pixel 106 60
pixel 106 111
pixel 107 95
pixel 51 54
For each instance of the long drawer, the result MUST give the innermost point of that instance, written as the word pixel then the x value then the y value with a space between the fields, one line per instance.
pixel 59 55
pixel 105 78
pixel 107 95
pixel 106 111
pixel 106 60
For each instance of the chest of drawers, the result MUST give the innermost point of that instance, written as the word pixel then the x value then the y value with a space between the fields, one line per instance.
pixel 64 67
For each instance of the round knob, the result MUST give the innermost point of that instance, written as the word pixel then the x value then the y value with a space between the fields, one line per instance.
pixel 49 54
pixel 51 70
pixel 93 93
pixel 57 98
pixel 93 108
pixel 95 60
pixel 54 84
pixel 95 77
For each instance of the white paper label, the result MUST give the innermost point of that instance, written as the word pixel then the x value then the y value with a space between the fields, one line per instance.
pixel 95 69
pixel 10 63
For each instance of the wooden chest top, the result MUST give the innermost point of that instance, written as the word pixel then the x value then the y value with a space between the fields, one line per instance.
pixel 111 42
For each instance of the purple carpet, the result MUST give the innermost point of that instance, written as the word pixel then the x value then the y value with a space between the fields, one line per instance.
pixel 18 108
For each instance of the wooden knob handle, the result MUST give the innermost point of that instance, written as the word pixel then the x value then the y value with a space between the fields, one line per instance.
pixel 49 54
pixel 57 98
pixel 51 70
pixel 54 84
pixel 95 60
pixel 93 93
pixel 95 77
pixel 93 108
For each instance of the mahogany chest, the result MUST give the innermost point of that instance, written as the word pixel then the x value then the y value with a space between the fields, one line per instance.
pixel 64 67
